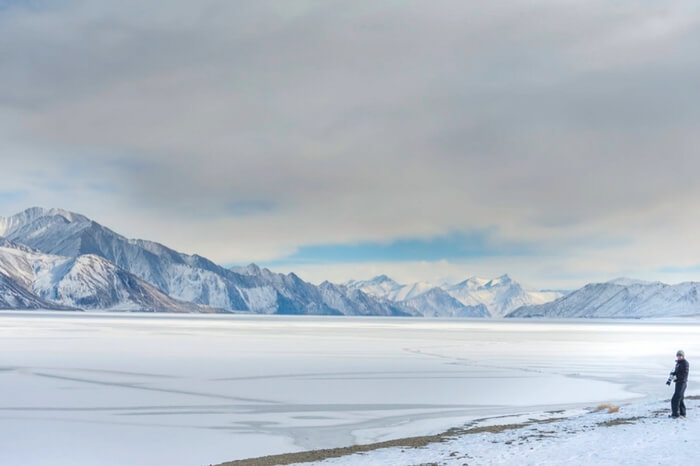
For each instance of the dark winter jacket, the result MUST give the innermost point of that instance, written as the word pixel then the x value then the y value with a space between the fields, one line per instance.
pixel 681 372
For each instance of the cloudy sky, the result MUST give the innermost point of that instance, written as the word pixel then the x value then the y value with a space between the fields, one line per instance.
pixel 557 141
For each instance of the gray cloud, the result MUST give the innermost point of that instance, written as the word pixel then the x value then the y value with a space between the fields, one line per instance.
pixel 553 122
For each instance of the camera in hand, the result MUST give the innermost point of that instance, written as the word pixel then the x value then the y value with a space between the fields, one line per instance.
pixel 671 378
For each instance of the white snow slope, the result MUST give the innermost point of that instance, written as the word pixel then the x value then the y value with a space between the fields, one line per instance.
pixel 34 280
pixel 500 295
pixel 622 298
pixel 639 434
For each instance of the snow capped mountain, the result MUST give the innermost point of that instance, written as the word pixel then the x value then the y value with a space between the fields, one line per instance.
pixel 630 282
pixel 24 265
pixel 436 302
pixel 421 298
pixel 621 298
pixel 181 276
pixel 289 294
pixel 52 258
pixel 497 296
pixel 189 278
pixel 34 280
pixel 14 296
pixel 9 225
pixel 347 299
pixel 92 282
pixel 413 290
pixel 380 286
pixel 500 295
pixel 386 288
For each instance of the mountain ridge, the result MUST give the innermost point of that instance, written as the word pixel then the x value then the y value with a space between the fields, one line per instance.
pixel 621 298
pixel 61 259
pixel 184 277
pixel 498 295
pixel 46 281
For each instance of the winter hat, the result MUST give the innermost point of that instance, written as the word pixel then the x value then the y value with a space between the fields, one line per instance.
pixel 680 353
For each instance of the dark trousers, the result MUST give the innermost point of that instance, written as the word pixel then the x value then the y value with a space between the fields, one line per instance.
pixel 677 405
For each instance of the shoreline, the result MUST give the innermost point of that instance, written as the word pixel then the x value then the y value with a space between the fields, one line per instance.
pixel 519 417
pixel 407 442
pixel 617 416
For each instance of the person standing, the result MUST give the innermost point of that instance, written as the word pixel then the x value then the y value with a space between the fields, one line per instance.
pixel 680 376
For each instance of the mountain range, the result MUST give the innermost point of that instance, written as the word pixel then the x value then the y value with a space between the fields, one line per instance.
pixel 67 259
pixel 34 280
pixel 56 259
pixel 476 296
pixel 621 298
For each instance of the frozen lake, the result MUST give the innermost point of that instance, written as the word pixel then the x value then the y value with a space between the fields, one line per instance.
pixel 115 389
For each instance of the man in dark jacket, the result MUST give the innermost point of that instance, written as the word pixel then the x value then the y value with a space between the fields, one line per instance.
pixel 680 375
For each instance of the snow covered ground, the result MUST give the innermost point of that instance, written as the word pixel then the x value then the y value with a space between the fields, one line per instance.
pixel 99 388
pixel 638 434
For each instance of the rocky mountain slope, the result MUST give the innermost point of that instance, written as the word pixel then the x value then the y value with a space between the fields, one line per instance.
pixel 13 296
pixel 474 297
pixel 621 298
pixel 34 280
pixel 438 303
pixel 183 277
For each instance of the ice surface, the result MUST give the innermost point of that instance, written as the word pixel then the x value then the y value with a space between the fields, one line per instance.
pixel 100 388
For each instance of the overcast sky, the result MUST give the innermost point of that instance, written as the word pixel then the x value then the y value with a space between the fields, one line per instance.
pixel 557 141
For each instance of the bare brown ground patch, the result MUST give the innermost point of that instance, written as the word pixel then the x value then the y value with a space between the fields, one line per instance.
pixel 607 406
pixel 409 442
pixel 619 421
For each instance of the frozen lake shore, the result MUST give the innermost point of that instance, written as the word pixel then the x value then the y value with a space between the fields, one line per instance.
pixel 634 434
pixel 189 390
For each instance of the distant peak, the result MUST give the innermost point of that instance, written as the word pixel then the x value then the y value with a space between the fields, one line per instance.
pixel 254 269
pixel 250 269
pixel 476 281
pixel 623 281
pixel 381 279
pixel 33 213
pixel 71 216
pixel 496 282
pixel 10 224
